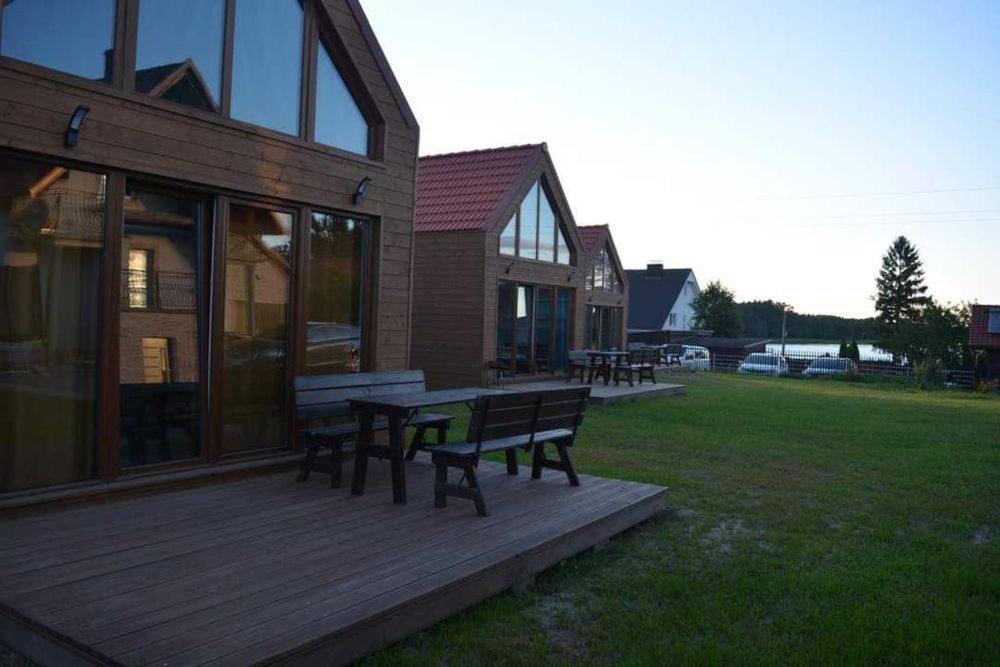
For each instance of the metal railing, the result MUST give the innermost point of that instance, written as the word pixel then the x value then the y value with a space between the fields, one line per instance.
pixel 159 290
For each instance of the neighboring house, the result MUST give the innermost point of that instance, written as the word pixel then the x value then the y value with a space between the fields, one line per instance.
pixel 253 189
pixel 984 336
pixel 605 290
pixel 498 269
pixel 660 299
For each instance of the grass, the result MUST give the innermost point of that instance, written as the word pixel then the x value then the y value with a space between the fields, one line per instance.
pixel 809 522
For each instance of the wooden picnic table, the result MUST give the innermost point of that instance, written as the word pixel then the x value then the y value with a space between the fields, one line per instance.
pixel 398 409
pixel 606 359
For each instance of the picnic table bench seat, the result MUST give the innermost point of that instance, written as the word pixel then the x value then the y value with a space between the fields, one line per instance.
pixel 322 398
pixel 525 420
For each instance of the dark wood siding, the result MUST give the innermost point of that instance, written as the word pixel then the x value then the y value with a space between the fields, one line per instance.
pixel 140 135
pixel 448 312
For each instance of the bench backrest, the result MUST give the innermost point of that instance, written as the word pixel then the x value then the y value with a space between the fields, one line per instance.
pixel 526 413
pixel 327 396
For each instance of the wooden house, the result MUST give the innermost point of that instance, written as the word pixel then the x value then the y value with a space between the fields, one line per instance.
pixel 984 336
pixel 503 280
pixel 197 202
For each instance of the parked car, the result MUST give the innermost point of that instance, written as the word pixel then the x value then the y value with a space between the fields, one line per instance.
pixel 692 357
pixel 828 366
pixel 761 363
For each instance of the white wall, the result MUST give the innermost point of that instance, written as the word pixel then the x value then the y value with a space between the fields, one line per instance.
pixel 681 317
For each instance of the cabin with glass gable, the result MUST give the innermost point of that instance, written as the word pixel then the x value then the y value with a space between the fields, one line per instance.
pixel 500 270
pixel 199 199
pixel 604 306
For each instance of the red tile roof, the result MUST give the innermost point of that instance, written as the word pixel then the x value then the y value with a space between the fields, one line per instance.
pixel 590 235
pixel 462 191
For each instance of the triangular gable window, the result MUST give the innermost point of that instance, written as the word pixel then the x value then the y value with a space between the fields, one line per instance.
pixel 535 231
pixel 339 121
pixel 603 275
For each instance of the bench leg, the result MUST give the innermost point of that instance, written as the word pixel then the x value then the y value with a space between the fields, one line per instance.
pixel 563 450
pixel 396 463
pixel 477 491
pixel 361 453
pixel 307 463
pixel 416 443
pixel 336 463
pixel 537 457
pixel 440 482
pixel 511 461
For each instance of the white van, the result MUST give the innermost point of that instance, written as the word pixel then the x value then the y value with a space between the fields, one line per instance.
pixel 689 357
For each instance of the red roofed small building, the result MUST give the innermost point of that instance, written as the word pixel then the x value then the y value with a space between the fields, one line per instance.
pixel 984 336
pixel 499 267
pixel 605 290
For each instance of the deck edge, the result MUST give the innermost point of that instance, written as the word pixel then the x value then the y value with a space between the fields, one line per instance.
pixel 397 623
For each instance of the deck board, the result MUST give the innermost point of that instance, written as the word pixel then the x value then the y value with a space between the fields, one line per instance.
pixel 266 568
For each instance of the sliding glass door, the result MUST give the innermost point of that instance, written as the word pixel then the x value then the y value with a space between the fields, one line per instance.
pixel 603 327
pixel 162 310
pixel 52 225
pixel 533 328
pixel 255 339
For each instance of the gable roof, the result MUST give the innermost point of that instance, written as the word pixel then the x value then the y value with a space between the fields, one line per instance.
pixel 650 298
pixel 465 191
pixel 591 236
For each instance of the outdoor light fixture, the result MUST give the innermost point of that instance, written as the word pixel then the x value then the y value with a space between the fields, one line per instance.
pixel 359 192
pixel 72 137
pixel 572 274
pixel 509 267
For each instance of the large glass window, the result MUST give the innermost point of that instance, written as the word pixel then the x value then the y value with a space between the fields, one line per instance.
pixel 258 257
pixel 603 327
pixel 535 230
pixel 267 63
pixel 603 276
pixel 179 51
pixel 51 247
pixel 339 121
pixel 335 294
pixel 71 36
pixel 533 328
pixel 159 352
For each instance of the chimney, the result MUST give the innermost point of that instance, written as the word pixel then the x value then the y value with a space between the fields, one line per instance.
pixel 654 270
pixel 109 66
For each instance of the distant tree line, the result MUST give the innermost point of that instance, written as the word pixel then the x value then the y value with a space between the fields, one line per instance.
pixel 762 319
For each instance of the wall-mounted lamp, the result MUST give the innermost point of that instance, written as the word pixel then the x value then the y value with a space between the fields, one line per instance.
pixel 572 274
pixel 72 136
pixel 509 267
pixel 360 191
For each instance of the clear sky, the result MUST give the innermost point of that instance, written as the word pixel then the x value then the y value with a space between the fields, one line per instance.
pixel 726 136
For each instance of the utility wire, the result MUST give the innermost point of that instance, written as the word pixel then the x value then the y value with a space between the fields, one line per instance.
pixel 879 194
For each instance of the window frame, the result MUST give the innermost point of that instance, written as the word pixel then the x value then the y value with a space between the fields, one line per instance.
pixel 316 26
pixel 993 315
pixel 534 288
pixel 558 228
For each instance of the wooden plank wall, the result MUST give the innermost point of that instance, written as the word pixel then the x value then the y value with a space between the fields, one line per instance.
pixel 139 135
pixel 448 307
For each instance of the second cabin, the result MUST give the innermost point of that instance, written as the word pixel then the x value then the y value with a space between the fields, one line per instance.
pixel 503 279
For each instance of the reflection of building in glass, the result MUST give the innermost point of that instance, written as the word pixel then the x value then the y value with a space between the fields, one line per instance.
pixel 51 231
pixel 178 82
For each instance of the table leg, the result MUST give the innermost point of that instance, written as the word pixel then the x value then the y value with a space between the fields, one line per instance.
pixel 396 445
pixel 367 419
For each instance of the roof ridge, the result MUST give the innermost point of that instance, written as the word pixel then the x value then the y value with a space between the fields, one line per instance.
pixel 497 149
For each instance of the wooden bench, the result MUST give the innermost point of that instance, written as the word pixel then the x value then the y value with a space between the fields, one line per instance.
pixel 324 398
pixel 523 420
pixel 644 362
pixel 579 361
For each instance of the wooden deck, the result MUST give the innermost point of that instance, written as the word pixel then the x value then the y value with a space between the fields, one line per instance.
pixel 268 569
pixel 601 394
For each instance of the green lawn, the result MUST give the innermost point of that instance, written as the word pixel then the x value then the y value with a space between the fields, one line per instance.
pixel 808 522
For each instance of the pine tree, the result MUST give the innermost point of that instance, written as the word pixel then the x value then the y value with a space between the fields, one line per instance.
pixel 901 297
pixel 844 351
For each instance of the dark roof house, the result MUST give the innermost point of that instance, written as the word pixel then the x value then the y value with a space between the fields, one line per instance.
pixel 660 299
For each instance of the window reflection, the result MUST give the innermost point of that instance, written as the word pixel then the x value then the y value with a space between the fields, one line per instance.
pixel 179 51
pixel 529 225
pixel 258 256
pixel 508 238
pixel 159 352
pixel 339 121
pixel 267 63
pixel 51 247
pixel 336 260
pixel 74 37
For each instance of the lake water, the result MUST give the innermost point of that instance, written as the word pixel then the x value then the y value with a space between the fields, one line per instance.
pixel 868 352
